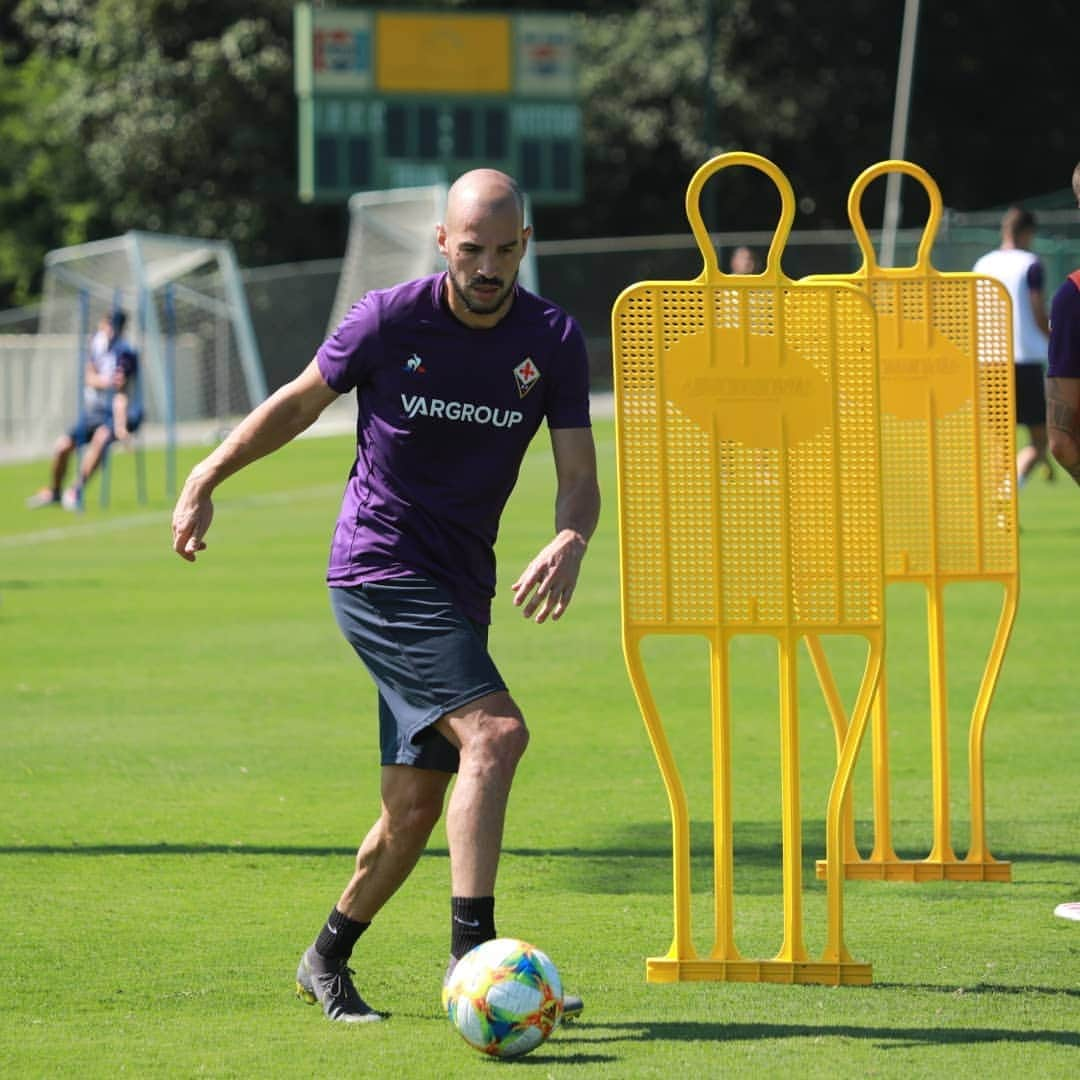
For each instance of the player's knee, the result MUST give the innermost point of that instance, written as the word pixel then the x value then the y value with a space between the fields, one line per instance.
pixel 504 738
pixel 1064 448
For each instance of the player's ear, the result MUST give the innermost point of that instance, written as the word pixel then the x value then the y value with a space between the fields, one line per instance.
pixel 526 234
pixel 440 239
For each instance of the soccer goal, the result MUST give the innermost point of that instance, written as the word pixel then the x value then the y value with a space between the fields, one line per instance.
pixel 199 365
pixel 392 239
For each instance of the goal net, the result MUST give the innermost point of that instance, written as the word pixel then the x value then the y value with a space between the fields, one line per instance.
pixel 187 316
pixel 392 239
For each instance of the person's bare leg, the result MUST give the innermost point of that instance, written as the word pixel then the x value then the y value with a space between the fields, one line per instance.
pixel 412 802
pixel 491 737
pixel 93 454
pixel 61 454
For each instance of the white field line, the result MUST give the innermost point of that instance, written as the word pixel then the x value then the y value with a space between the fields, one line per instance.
pixel 135 521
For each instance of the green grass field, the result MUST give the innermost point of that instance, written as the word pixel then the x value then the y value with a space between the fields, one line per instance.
pixel 189 760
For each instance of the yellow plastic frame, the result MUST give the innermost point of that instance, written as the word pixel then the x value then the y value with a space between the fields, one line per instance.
pixel 945 349
pixel 749 502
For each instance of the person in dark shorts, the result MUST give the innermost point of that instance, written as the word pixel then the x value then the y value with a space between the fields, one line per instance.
pixel 1021 271
pixel 1063 400
pixel 109 413
pixel 453 375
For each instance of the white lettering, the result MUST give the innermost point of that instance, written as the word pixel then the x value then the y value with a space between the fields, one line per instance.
pixel 465 412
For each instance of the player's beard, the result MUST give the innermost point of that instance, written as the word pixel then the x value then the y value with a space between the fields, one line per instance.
pixel 476 305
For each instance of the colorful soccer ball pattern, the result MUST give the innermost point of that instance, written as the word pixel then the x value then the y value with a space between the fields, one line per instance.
pixel 504 997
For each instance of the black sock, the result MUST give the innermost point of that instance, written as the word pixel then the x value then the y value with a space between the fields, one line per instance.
pixel 338 936
pixel 472 922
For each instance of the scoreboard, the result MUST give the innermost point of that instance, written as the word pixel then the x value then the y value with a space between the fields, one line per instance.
pixel 391 98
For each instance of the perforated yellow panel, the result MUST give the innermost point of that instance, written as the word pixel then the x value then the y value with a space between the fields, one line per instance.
pixel 948 462
pixel 748 456
pixel 749 502
pixel 947 423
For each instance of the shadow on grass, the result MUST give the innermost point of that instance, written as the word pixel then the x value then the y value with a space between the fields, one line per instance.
pixel 631 859
pixel 886 1038
pixel 979 988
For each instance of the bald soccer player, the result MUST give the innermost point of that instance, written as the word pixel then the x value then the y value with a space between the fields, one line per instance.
pixel 453 375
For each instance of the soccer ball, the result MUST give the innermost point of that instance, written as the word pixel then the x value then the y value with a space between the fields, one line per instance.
pixel 504 997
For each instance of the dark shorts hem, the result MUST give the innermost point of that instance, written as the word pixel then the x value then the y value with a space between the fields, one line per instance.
pixel 426 658
pixel 404 754
pixel 83 430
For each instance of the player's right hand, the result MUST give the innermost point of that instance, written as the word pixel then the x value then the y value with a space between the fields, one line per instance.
pixel 190 522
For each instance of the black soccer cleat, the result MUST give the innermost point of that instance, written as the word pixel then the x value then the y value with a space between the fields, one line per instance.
pixel 325 982
pixel 571 1006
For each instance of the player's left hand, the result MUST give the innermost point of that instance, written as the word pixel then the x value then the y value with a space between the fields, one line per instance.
pixel 547 584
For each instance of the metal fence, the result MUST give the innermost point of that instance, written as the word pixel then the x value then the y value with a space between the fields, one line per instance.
pixel 291 303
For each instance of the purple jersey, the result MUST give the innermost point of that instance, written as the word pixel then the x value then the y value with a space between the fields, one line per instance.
pixel 445 414
pixel 1065 330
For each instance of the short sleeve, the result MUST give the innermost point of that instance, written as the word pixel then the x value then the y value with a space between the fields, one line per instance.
pixel 1036 277
pixel 346 357
pixel 568 400
pixel 128 362
pixel 1065 332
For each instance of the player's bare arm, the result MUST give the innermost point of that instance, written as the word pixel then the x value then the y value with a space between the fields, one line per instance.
pixel 95 379
pixel 280 418
pixel 1063 423
pixel 120 407
pixel 546 586
pixel 1038 309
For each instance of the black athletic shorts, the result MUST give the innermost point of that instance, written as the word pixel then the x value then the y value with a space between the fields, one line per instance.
pixel 1030 394
pixel 426 658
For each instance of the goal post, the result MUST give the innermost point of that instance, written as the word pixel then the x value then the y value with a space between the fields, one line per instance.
pixel 185 303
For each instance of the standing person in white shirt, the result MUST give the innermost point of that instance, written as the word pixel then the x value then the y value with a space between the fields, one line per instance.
pixel 1019 269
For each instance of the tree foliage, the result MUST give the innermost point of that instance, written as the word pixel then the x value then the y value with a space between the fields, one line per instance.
pixel 174 116
pixel 179 116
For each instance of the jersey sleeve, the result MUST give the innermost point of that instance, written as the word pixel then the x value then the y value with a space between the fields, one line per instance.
pixel 128 362
pixel 1035 276
pixel 346 357
pixel 568 399
pixel 1064 351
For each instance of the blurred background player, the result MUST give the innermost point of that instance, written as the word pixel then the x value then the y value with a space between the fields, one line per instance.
pixel 743 261
pixel 1063 373
pixel 1063 400
pixel 1020 270
pixel 107 415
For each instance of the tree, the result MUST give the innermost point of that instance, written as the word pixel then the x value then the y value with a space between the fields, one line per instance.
pixel 179 116
pixel 166 115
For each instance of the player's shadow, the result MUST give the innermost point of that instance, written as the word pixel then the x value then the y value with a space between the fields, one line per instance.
pixel 885 1037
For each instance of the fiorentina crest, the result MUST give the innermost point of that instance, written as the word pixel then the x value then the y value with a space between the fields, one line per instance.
pixel 525 375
